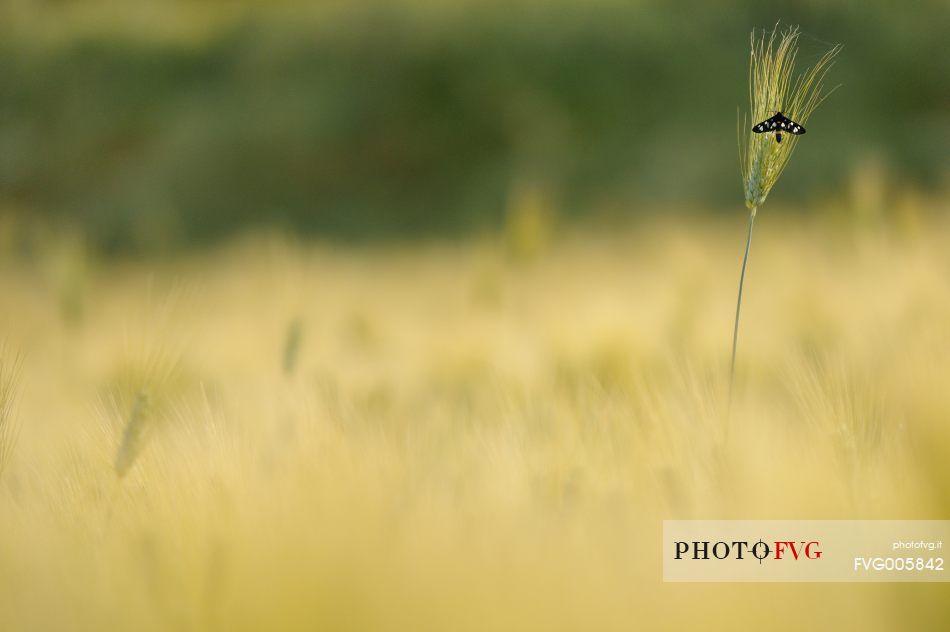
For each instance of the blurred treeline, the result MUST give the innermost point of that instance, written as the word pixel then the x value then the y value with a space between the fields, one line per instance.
pixel 160 124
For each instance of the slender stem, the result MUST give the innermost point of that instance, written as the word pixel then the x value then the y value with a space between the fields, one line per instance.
pixel 735 330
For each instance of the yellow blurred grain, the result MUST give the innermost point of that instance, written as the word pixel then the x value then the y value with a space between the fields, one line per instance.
pixel 444 456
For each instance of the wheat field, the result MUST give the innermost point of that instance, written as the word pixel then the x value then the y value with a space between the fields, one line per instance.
pixel 475 435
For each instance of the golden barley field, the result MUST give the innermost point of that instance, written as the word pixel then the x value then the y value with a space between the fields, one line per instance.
pixel 474 435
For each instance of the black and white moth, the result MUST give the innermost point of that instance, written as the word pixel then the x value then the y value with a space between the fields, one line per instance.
pixel 780 124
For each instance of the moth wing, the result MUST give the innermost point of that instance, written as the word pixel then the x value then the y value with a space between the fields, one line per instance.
pixel 768 125
pixel 795 128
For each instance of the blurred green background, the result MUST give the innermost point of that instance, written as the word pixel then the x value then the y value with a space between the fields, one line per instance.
pixel 152 125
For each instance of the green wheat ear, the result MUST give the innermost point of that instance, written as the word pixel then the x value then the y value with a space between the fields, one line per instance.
pixel 773 86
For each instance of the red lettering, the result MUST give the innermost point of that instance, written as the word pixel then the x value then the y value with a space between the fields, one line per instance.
pixel 780 549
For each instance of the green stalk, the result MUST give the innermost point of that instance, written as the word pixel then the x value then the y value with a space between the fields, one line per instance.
pixel 735 329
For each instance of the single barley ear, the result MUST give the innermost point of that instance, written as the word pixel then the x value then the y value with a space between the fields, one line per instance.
pixel 133 436
pixel 764 150
pixel 773 88
pixel 141 399
pixel 292 343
